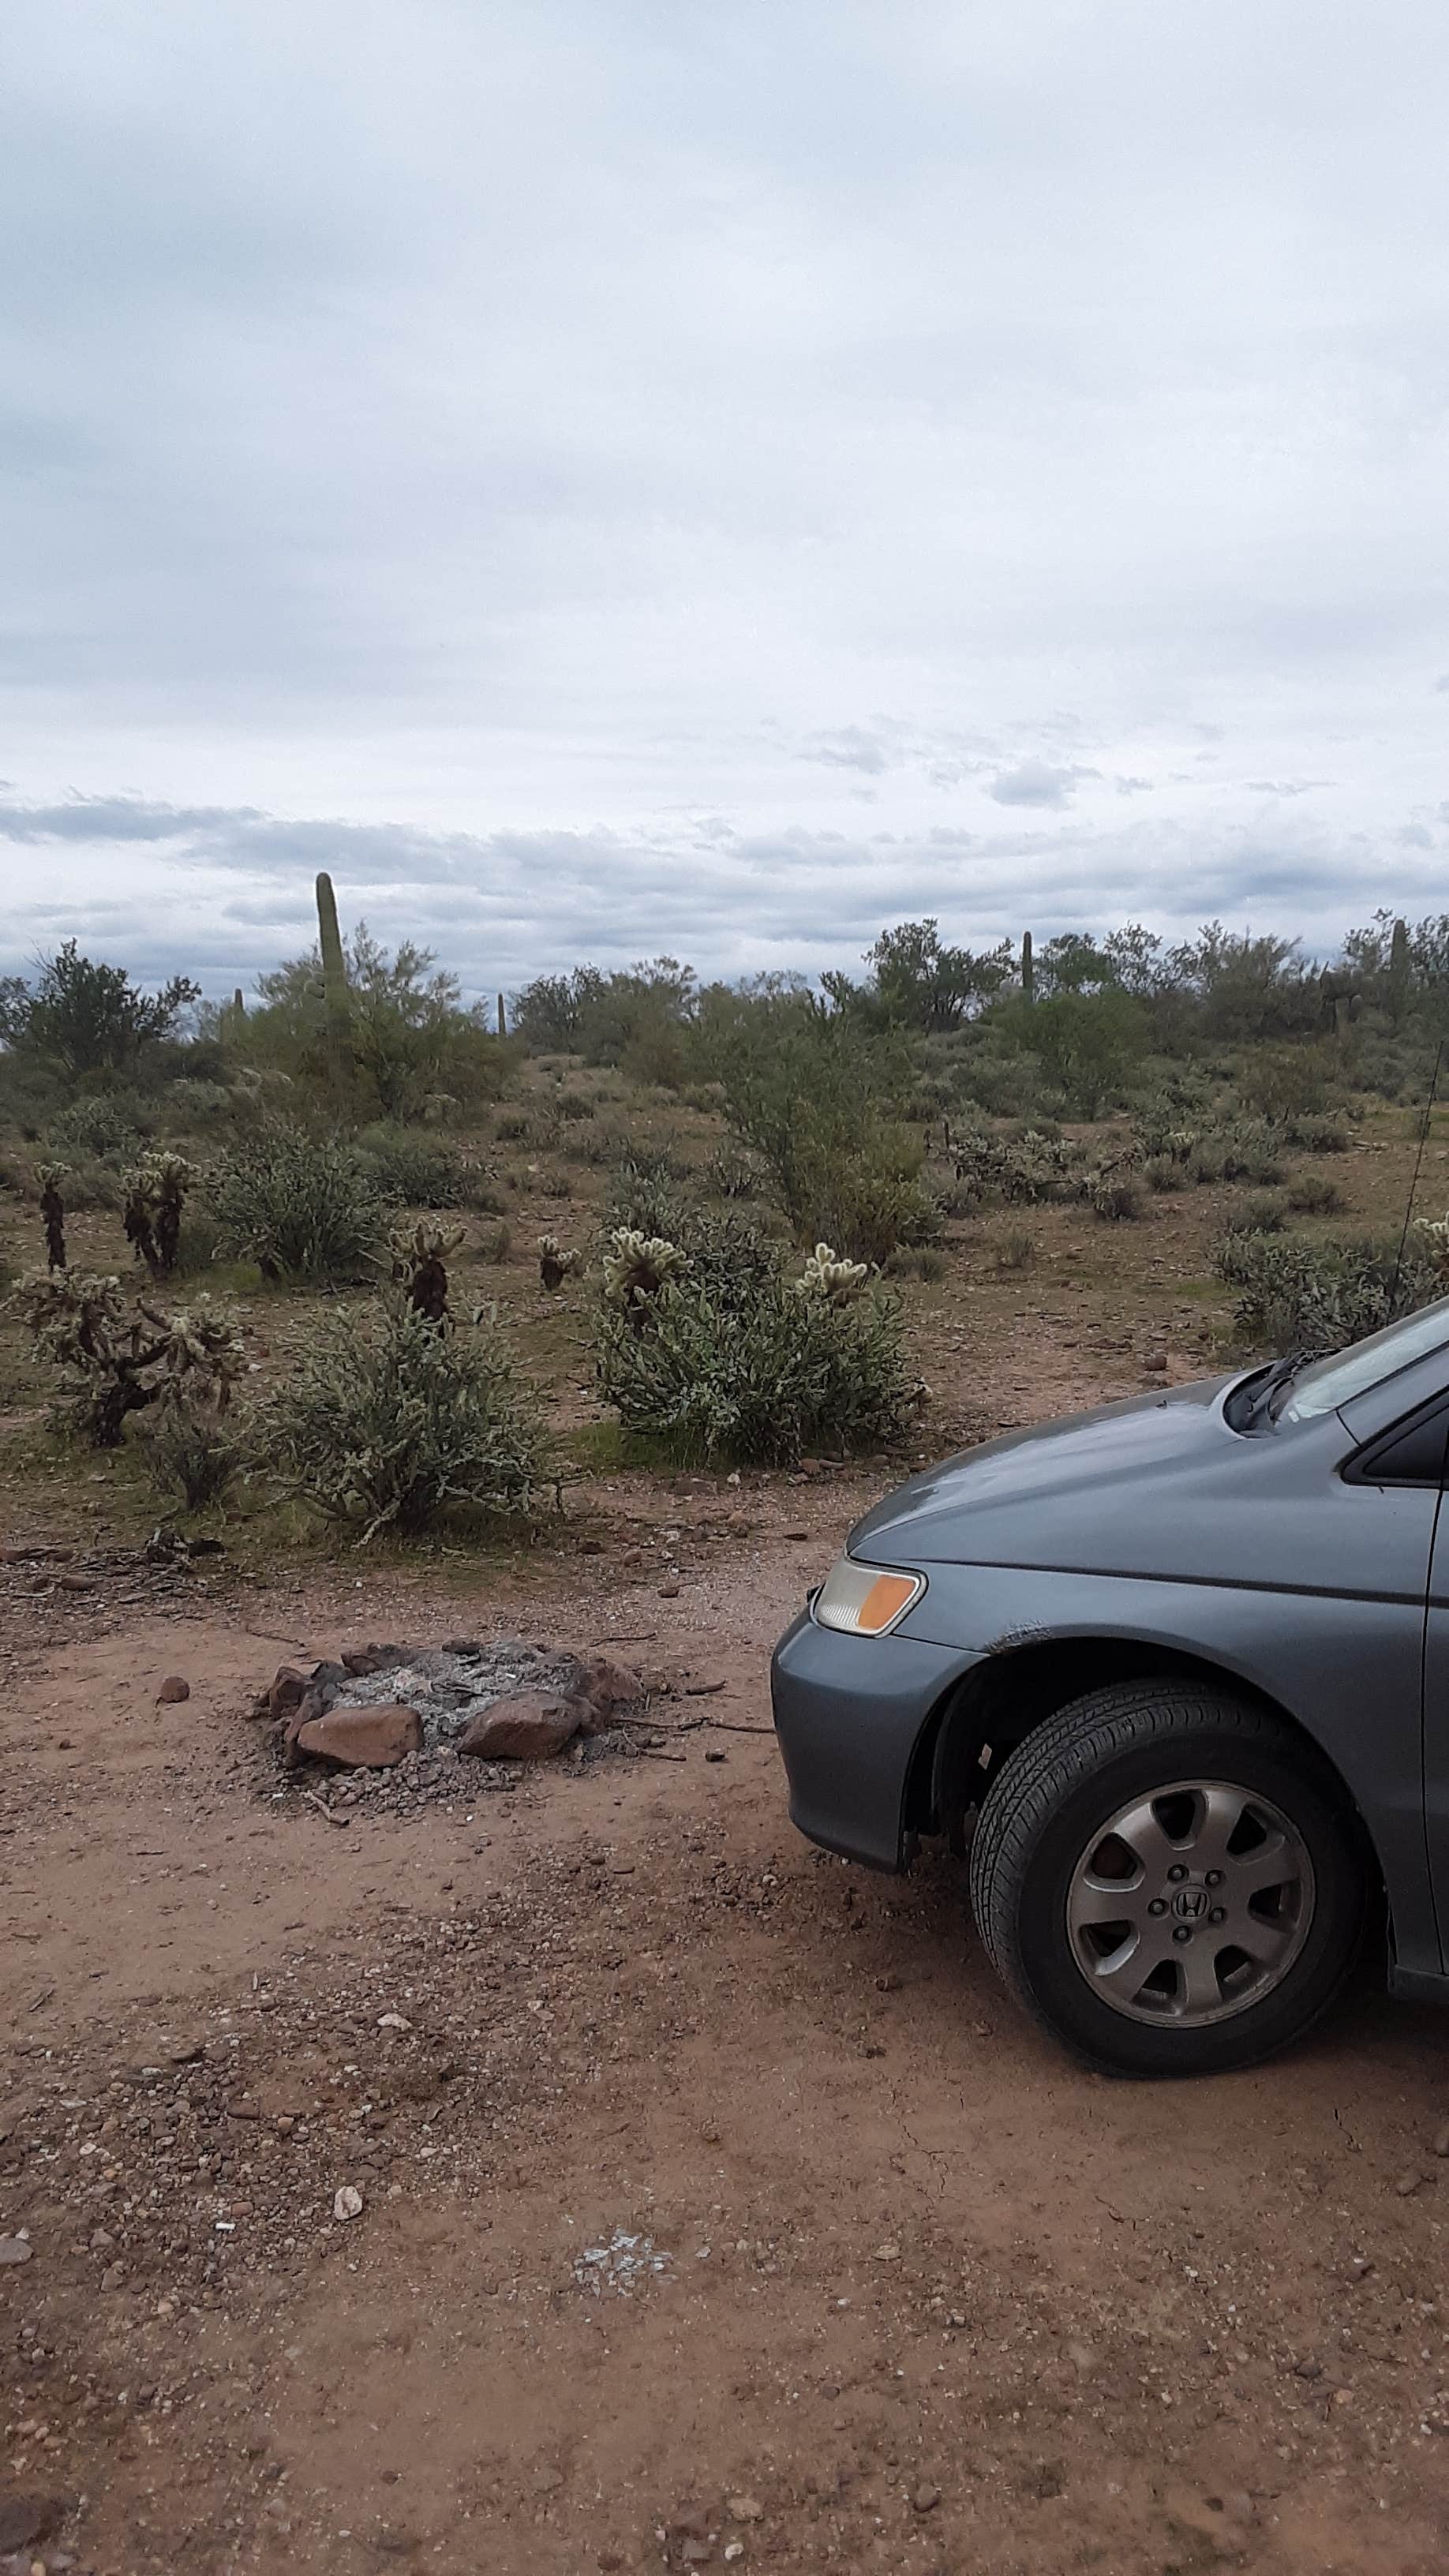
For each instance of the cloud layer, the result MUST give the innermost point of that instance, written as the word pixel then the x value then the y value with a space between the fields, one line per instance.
pixel 604 479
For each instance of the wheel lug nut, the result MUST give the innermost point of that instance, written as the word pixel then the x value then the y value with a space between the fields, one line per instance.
pixel 1219 1914
pixel 1158 1905
pixel 1182 1933
pixel 1215 1878
pixel 1177 1870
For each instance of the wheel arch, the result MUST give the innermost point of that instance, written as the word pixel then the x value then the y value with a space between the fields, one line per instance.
pixel 1006 1697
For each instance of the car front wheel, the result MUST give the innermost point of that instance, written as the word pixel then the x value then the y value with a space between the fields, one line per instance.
pixel 1169 1879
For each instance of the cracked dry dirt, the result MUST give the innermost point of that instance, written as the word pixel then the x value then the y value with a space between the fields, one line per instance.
pixel 931 2298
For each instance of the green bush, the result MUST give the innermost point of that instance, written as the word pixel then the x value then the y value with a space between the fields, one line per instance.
pixel 1024 1171
pixel 646 1193
pixel 391 1423
pixel 192 1454
pixel 1113 1197
pixel 916 1261
pixel 1315 1195
pixel 1163 1173
pixel 1292 1294
pixel 300 1206
pixel 726 1358
pixel 1317 1135
pixel 412 1168
pixel 100 1126
pixel 1263 1215
pixel 1016 1250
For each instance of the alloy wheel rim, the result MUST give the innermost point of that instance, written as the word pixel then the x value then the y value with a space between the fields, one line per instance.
pixel 1190 1903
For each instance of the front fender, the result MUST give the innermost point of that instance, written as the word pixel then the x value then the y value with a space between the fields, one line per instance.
pixel 1347 1671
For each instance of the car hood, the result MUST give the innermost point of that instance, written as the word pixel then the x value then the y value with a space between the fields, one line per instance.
pixel 1102 1490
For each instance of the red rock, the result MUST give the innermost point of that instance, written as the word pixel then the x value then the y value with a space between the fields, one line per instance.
pixel 607 1684
pixel 288 1691
pixel 526 1726
pixel 173 1690
pixel 362 1739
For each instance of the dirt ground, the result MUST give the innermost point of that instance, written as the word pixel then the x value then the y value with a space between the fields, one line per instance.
pixel 717 2209
pixel 877 2279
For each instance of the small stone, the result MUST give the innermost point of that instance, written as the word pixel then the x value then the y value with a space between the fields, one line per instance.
pixel 26 2519
pixel 362 1739
pixel 1308 2369
pixel 744 2508
pixel 705 1687
pixel 669 1592
pixel 1441 2141
pixel 15 2249
pixel 888 2253
pixel 1155 1362
pixel 173 1690
pixel 715 1753
pixel 347 2203
pixel 926 2499
pixel 1408 2183
pixel 393 2021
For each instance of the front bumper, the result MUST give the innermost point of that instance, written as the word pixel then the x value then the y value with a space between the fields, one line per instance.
pixel 850 1713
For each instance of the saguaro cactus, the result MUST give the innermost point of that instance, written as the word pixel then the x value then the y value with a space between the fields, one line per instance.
pixel 502 1018
pixel 1399 970
pixel 1028 969
pixel 334 983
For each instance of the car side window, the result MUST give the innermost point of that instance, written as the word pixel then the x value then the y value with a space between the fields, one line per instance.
pixel 1413 1453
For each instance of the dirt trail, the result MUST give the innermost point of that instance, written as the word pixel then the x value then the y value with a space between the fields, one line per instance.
pixel 879 2280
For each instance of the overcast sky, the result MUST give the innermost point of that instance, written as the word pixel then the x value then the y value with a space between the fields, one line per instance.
pixel 605 476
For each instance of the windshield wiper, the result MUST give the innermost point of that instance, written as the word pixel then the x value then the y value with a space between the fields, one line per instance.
pixel 1270 1393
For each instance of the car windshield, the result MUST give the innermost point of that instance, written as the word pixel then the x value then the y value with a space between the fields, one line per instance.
pixel 1322 1384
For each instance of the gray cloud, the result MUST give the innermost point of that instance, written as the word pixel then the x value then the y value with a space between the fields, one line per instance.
pixel 1035 782
pixel 597 478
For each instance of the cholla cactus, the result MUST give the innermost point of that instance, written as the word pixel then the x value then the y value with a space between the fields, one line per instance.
pixel 1432 1233
pixel 155 1191
pixel 637 1266
pixel 555 1265
pixel 52 1211
pixel 420 1256
pixel 838 1282
pixel 118 1358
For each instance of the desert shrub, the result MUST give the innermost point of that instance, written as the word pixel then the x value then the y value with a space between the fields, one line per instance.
pixel 193 1452
pixel 1317 1135
pixel 575 1107
pixel 555 1185
pixel 92 1185
pixel 733 1174
pixel 735 1360
pixel 1315 1195
pixel 100 1125
pixel 195 1105
pixel 300 1206
pixel 411 1167
pixel 1015 1250
pixel 1263 1215
pixel 1247 1150
pixel 1284 1081
pixel 1163 1173
pixel 1113 1197
pixel 1291 1294
pixel 492 1242
pixel 646 1195
pixel 483 1191
pixel 511 1126
pixel 916 1261
pixel 822 1101
pixel 389 1422
pixel 1023 1171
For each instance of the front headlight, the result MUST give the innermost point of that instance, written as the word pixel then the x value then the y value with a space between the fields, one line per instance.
pixel 865 1600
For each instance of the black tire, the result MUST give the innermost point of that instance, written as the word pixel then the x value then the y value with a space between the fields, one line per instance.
pixel 1058 1790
